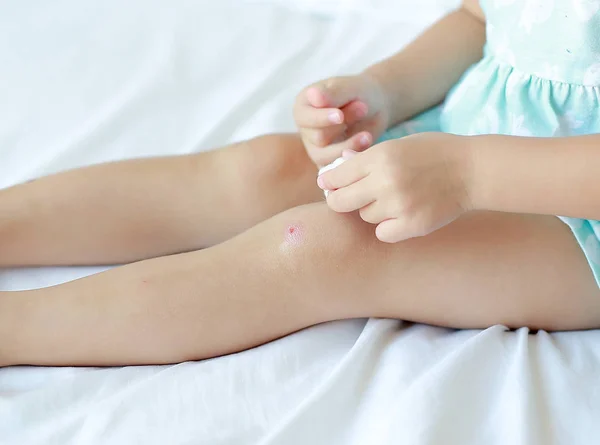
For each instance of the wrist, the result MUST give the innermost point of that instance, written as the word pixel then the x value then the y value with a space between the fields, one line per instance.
pixel 478 174
pixel 380 94
pixel 460 162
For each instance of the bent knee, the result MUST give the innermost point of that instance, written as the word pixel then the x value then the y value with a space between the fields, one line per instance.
pixel 323 237
pixel 273 159
pixel 271 173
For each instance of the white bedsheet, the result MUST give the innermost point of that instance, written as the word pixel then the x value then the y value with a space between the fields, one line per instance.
pixel 84 81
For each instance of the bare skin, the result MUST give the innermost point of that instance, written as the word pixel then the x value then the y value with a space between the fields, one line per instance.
pixel 304 263
pixel 484 269
pixel 127 211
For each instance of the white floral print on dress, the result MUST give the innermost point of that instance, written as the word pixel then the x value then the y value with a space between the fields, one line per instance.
pixel 535 12
pixel 592 75
pixel 502 3
pixel 569 124
pixel 488 123
pixel 457 94
pixel 548 71
pixel 517 125
pixel 586 9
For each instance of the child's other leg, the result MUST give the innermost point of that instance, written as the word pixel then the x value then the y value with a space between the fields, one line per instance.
pixel 126 211
pixel 305 266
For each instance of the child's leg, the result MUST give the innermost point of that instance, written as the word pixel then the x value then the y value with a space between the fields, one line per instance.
pixel 305 266
pixel 125 211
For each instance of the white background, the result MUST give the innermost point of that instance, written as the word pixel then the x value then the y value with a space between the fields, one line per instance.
pixel 85 81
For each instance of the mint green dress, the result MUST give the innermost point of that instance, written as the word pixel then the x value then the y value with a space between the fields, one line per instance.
pixel 540 76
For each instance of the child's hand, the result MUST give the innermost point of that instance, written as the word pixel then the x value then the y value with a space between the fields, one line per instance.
pixel 340 113
pixel 409 187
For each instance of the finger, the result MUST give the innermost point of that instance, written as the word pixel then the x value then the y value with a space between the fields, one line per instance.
pixel 315 97
pixel 392 231
pixel 374 213
pixel 349 172
pixel 333 93
pixel 323 156
pixel 324 136
pixel 373 126
pixel 357 143
pixel 311 117
pixel 355 111
pixel 353 197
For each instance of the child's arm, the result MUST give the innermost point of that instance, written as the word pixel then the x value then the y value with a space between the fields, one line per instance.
pixel 420 76
pixel 554 176
pixel 415 185
pixel 351 112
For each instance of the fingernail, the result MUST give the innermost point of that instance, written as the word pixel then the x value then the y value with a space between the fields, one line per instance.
pixel 347 154
pixel 335 118
pixel 321 182
pixel 365 141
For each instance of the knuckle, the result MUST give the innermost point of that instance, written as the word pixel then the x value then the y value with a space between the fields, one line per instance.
pixel 408 206
pixel 333 83
pixel 389 180
pixel 399 207
pixel 330 83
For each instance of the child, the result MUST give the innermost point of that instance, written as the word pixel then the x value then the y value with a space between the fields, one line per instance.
pixel 452 227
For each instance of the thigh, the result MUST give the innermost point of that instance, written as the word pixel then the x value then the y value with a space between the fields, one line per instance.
pixel 262 177
pixel 484 269
pixel 305 266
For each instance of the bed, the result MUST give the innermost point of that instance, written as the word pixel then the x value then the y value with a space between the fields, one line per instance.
pixel 86 81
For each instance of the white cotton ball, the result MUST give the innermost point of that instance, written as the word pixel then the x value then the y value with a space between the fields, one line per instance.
pixel 334 164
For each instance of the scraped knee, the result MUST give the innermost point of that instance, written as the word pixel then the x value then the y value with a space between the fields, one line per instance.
pixel 317 232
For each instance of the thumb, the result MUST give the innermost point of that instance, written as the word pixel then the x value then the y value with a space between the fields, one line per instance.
pixel 334 93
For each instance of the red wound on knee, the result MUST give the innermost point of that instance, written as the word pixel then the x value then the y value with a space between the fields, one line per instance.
pixel 293 233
